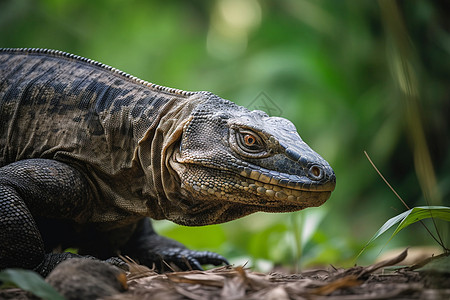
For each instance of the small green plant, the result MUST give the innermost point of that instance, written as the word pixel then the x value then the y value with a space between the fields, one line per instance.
pixel 412 215
pixel 409 217
pixel 29 281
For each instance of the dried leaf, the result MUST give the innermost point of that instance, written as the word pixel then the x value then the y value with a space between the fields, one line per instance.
pixel 196 278
pixel 341 283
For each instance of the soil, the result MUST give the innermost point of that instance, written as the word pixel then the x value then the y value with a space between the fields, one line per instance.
pixel 429 279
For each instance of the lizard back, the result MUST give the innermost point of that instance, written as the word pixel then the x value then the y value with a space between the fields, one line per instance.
pixel 53 103
pixel 61 106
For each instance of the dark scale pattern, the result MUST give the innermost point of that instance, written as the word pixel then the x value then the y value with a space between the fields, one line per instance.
pixel 35 187
pixel 49 188
pixel 21 244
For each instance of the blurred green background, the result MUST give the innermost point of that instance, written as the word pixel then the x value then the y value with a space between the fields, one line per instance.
pixel 337 69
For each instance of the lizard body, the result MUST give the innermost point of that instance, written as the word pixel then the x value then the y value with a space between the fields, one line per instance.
pixel 88 152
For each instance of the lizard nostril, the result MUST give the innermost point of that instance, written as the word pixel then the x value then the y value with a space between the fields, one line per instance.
pixel 316 172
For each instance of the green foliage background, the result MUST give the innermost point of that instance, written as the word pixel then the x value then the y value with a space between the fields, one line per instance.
pixel 328 65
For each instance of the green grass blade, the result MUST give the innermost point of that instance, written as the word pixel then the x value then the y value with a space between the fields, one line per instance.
pixel 31 282
pixel 389 223
pixel 386 226
pixel 423 212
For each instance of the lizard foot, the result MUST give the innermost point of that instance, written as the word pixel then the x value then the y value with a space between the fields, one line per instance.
pixel 187 259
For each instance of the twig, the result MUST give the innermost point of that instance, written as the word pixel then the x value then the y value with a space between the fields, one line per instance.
pixel 385 181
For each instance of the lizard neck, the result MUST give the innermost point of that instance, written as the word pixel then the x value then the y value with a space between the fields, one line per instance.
pixel 162 187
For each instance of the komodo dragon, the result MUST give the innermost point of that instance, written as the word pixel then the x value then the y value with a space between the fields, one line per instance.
pixel 89 152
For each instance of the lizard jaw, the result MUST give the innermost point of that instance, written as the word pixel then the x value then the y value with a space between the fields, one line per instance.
pixel 238 189
pixel 264 193
pixel 261 187
pixel 273 180
pixel 277 192
pixel 223 195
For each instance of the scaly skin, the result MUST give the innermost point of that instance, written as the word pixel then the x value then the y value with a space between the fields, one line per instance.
pixel 89 152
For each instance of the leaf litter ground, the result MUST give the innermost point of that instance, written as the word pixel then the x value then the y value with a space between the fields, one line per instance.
pixel 241 283
pixel 429 279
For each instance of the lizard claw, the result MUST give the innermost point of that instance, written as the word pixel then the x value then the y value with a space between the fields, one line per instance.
pixel 115 261
pixel 187 259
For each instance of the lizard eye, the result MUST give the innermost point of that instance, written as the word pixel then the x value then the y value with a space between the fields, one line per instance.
pixel 249 141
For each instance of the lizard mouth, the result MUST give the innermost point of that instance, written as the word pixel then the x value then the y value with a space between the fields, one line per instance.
pixel 266 186
pixel 279 192
pixel 268 197
pixel 317 178
pixel 273 186
pixel 274 191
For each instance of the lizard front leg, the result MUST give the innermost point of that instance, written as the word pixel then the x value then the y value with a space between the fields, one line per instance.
pixel 37 188
pixel 151 249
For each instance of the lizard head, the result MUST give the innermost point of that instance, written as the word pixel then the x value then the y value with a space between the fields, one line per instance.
pixel 232 162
